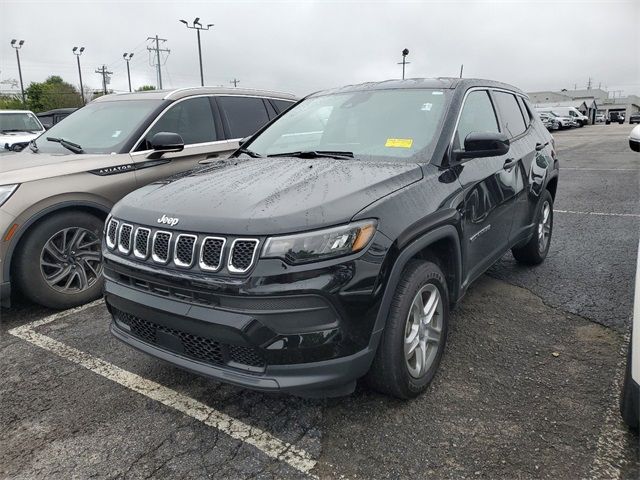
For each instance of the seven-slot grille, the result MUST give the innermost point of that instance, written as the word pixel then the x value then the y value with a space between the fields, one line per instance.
pixel 183 250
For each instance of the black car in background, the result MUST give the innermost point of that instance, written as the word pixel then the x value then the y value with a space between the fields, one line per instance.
pixel 51 117
pixel 334 242
pixel 634 118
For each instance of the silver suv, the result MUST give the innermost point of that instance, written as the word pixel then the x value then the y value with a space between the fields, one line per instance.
pixel 55 195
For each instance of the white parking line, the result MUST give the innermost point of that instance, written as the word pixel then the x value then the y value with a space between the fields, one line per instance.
pixel 599 213
pixel 602 169
pixel 263 441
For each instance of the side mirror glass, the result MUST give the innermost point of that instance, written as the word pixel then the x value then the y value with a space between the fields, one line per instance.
pixel 483 144
pixel 165 142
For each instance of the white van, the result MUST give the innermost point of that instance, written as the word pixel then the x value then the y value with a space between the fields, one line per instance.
pixel 572 112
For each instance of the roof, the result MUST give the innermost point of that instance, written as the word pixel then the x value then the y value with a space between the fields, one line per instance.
pixel 446 83
pixel 568 103
pixel 191 91
pixel 57 110
pixel 16 111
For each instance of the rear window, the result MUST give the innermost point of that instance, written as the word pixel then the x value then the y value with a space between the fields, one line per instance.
pixel 510 113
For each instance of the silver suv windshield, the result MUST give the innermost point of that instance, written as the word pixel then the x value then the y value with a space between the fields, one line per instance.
pixel 19 122
pixel 102 127
pixel 393 124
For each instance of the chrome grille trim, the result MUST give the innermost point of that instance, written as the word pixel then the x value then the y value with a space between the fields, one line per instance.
pixel 121 249
pixel 176 260
pixel 111 243
pixel 201 262
pixel 231 256
pixel 155 257
pixel 137 253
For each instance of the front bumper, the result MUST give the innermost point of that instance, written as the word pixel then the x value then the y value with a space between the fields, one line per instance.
pixel 305 331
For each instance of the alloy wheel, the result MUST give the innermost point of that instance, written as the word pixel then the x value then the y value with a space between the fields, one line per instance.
pixel 423 330
pixel 70 260
pixel 544 227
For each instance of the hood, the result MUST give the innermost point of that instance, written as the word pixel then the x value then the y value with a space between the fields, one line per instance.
pixel 17 137
pixel 266 196
pixel 27 166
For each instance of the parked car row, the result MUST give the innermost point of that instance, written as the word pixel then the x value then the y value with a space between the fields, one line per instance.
pixel 555 121
pixel 18 128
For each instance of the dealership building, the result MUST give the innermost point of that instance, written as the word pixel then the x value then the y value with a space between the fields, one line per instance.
pixel 589 102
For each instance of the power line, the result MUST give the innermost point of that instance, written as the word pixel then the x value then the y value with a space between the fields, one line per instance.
pixel 157 50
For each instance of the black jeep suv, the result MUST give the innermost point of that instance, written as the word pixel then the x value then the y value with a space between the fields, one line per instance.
pixel 334 242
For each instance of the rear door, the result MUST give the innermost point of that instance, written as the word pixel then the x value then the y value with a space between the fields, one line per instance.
pixel 194 120
pixel 516 122
pixel 487 209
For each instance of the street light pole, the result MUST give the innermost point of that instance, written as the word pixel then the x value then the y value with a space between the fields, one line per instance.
pixel 197 26
pixel 18 46
pixel 127 57
pixel 77 52
pixel 404 62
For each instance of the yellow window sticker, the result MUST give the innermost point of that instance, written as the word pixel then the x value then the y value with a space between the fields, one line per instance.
pixel 399 142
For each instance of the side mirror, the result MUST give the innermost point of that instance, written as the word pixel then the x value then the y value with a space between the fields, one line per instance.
pixel 165 142
pixel 483 144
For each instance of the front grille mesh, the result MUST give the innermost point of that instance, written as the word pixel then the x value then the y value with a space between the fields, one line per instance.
pixel 184 250
pixel 204 349
pixel 242 254
pixel 161 246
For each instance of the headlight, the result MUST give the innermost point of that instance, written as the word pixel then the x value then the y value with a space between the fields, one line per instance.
pixel 321 244
pixel 6 191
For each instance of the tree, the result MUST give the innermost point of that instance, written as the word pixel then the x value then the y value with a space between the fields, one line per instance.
pixel 144 88
pixel 11 102
pixel 52 93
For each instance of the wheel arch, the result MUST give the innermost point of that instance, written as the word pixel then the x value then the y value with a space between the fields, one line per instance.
pixel 440 245
pixel 98 209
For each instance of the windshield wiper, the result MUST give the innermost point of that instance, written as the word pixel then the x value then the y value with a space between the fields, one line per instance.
pixel 74 147
pixel 315 154
pixel 251 153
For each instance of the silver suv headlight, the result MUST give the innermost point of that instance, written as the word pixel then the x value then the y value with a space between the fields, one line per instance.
pixel 6 191
pixel 321 244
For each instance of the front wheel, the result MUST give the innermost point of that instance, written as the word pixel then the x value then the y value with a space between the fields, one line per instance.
pixel 535 250
pixel 414 337
pixel 59 264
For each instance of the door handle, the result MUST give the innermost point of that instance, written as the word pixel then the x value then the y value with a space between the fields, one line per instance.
pixel 510 162
pixel 540 146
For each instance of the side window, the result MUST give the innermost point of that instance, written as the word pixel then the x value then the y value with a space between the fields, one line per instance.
pixel 526 113
pixel 477 116
pixel 244 115
pixel 270 109
pixel 192 119
pixel 510 113
pixel 282 105
pixel 46 121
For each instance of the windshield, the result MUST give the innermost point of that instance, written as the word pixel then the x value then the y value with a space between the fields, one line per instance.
pixel 102 127
pixel 373 124
pixel 19 122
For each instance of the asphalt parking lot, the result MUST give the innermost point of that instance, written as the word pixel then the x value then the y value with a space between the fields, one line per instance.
pixel 528 387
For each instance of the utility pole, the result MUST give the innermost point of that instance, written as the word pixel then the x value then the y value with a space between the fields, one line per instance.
pixel 404 62
pixel 157 49
pixel 127 57
pixel 77 52
pixel 18 46
pixel 589 84
pixel 461 68
pixel 197 26
pixel 105 73
pixel 235 82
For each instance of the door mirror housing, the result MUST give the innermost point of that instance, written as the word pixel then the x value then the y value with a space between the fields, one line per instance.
pixel 165 142
pixel 483 144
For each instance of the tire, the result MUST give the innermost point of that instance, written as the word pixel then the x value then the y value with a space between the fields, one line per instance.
pixel 629 401
pixel 391 372
pixel 535 250
pixel 34 263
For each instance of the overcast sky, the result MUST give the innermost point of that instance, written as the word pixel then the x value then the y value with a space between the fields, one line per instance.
pixel 304 46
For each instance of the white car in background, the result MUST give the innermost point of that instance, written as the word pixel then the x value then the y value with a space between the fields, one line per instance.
pixel 18 128
pixel 630 398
